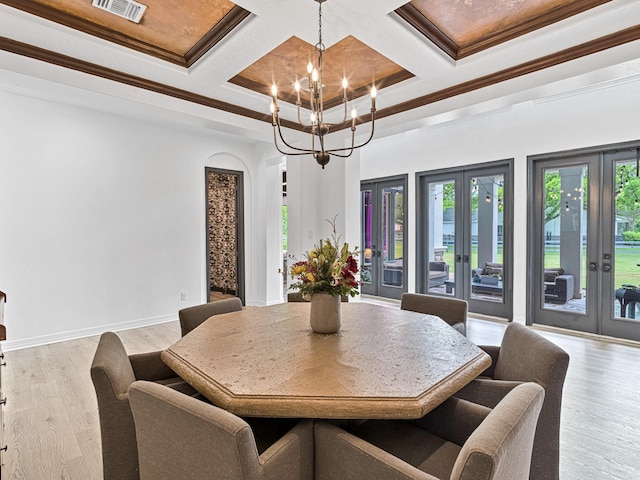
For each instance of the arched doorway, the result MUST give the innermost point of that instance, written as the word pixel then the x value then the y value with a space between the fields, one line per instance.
pixel 225 233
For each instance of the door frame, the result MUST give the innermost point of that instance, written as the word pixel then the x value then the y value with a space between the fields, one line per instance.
pixel 377 184
pixel 240 241
pixel 462 243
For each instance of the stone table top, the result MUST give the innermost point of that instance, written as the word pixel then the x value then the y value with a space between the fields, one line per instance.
pixel 384 362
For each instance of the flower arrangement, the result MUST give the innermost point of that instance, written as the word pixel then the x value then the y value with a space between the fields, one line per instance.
pixel 329 267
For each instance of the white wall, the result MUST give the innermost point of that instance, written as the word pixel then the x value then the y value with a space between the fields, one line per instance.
pixel 103 219
pixel 598 116
pixel 315 195
pixel 103 215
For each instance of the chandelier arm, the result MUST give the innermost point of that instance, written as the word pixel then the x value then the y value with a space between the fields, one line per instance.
pixel 298 104
pixel 340 155
pixel 291 154
pixel 350 149
pixel 313 139
pixel 353 147
pixel 275 142
pixel 304 151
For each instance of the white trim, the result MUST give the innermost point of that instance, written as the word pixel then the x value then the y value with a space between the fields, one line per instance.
pixel 9 345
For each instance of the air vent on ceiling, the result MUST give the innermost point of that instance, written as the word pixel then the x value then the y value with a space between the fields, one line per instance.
pixel 123 8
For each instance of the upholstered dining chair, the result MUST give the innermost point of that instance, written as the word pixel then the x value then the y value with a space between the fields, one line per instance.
pixel 191 317
pixel 112 371
pixel 180 437
pixel 451 310
pixel 526 356
pixel 458 440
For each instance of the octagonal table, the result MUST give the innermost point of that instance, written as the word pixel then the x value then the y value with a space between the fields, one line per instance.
pixel 384 363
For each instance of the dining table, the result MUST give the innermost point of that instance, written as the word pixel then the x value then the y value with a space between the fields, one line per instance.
pixel 384 363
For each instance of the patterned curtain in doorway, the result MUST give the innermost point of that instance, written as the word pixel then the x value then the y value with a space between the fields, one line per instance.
pixel 222 232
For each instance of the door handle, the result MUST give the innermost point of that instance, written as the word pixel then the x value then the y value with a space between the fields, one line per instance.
pixel 593 266
pixel 458 258
pixel 606 267
pixel 465 258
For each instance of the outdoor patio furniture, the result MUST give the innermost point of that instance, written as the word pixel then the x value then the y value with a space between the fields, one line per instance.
pixel 392 272
pixel 628 295
pixel 490 268
pixel 438 273
pixel 558 287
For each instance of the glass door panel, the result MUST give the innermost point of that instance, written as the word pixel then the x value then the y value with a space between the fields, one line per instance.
pixel 367 248
pixel 486 281
pixel 565 238
pixel 621 251
pixel 626 246
pixel 383 237
pixel 440 272
pixel 393 236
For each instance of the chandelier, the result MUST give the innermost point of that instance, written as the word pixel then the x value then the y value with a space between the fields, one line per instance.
pixel 318 126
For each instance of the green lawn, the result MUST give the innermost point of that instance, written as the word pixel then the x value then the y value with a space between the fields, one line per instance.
pixel 626 268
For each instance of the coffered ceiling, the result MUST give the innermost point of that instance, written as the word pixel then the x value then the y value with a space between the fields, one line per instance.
pixel 427 58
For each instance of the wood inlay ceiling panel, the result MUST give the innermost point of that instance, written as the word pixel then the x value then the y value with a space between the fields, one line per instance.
pixel 349 57
pixel 179 31
pixel 464 27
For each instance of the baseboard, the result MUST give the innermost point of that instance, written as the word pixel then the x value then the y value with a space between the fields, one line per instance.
pixel 10 345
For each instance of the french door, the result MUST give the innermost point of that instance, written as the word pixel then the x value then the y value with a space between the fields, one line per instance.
pixel 585 247
pixel 465 236
pixel 383 236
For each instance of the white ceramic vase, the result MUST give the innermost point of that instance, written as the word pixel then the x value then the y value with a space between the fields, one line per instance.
pixel 326 313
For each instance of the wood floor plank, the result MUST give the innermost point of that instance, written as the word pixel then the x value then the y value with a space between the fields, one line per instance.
pixel 52 428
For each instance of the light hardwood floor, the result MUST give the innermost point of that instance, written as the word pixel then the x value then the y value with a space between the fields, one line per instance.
pixel 52 422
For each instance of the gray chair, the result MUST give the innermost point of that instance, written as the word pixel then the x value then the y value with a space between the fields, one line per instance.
pixel 451 310
pixel 180 437
pixel 458 440
pixel 112 371
pixel 191 317
pixel 526 356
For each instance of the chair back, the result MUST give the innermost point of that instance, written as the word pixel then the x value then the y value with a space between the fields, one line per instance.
pixel 500 448
pixel 191 317
pixel 527 356
pixel 451 310
pixel 112 373
pixel 182 437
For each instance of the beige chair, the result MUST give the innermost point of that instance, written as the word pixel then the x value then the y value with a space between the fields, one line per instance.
pixel 526 356
pixel 457 441
pixel 451 310
pixel 191 317
pixel 180 437
pixel 112 371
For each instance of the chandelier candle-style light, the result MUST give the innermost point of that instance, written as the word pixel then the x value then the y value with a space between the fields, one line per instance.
pixel 318 126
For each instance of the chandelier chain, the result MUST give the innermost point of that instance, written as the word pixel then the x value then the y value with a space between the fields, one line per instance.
pixel 320 45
